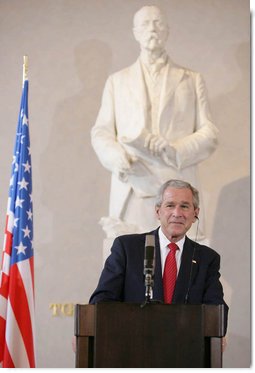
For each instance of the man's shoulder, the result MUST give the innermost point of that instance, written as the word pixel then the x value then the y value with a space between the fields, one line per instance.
pixel 135 237
pixel 201 247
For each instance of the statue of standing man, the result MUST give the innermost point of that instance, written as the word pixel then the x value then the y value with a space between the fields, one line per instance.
pixel 154 124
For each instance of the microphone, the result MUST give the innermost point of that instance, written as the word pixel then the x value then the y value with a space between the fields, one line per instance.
pixel 149 266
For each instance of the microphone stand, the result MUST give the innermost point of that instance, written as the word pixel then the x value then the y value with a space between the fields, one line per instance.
pixel 148 287
pixel 149 282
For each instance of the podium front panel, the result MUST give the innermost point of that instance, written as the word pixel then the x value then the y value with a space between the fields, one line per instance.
pixel 128 336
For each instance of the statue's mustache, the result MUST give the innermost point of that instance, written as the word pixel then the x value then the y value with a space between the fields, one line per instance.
pixel 151 36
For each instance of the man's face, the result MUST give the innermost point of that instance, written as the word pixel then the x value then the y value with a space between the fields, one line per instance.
pixel 176 213
pixel 150 29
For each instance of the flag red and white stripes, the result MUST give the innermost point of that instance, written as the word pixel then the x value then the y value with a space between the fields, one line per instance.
pixel 17 329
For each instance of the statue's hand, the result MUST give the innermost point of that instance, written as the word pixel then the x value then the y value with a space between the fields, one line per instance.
pixel 159 147
pixel 169 155
pixel 121 167
pixel 155 144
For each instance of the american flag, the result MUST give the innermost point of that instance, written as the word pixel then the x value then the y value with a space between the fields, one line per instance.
pixel 17 329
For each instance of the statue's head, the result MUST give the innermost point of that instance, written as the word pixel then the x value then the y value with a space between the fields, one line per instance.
pixel 150 28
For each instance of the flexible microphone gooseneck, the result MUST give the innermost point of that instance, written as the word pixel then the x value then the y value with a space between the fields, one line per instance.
pixel 149 266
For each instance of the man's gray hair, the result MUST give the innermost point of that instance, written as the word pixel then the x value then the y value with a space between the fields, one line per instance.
pixel 177 184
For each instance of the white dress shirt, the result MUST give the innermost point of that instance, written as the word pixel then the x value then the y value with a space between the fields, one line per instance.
pixel 164 250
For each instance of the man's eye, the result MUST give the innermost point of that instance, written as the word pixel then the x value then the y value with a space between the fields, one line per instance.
pixel 185 207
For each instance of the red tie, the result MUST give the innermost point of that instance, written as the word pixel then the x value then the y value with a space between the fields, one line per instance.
pixel 170 273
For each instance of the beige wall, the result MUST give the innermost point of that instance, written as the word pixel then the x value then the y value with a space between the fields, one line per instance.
pixel 73 45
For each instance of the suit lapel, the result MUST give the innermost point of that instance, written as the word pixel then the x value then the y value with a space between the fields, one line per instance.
pixel 187 272
pixel 185 276
pixel 166 109
pixel 137 86
pixel 173 77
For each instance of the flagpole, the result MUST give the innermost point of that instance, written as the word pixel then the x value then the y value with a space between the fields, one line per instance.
pixel 25 68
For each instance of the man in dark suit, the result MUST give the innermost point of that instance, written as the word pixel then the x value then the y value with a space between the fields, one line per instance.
pixel 197 266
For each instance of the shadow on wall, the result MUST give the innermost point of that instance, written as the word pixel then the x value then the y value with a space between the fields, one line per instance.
pixel 231 238
pixel 72 192
pixel 233 108
pixel 71 173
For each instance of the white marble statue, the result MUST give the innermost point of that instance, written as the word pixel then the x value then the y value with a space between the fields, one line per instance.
pixel 154 124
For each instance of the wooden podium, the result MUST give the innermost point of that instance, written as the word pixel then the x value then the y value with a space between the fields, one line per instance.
pixel 126 335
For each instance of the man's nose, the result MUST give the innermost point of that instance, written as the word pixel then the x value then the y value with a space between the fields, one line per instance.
pixel 152 26
pixel 177 212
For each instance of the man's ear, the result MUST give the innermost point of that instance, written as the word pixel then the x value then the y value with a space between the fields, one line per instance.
pixel 157 211
pixel 136 34
pixel 196 213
